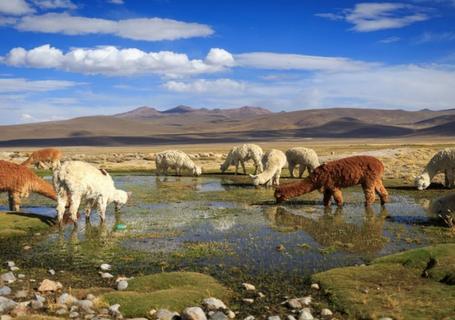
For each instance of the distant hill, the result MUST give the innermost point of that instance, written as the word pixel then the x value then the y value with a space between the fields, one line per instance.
pixel 185 124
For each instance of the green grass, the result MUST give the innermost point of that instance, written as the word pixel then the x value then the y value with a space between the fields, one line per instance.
pixel 18 224
pixel 393 286
pixel 174 291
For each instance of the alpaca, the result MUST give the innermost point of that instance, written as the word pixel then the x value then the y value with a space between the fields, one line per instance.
pixel 77 180
pixel 442 161
pixel 273 161
pixel 240 155
pixel 177 160
pixel 39 158
pixel 303 157
pixel 332 176
pixel 444 207
pixel 19 181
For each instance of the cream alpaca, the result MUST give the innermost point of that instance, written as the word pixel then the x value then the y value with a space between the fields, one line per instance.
pixel 303 157
pixel 241 154
pixel 442 161
pixel 274 161
pixel 177 160
pixel 77 180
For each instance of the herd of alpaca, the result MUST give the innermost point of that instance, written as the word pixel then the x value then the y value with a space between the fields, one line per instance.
pixel 75 182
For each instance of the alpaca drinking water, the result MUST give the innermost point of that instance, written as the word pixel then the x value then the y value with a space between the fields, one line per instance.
pixel 442 161
pixel 273 161
pixel 177 160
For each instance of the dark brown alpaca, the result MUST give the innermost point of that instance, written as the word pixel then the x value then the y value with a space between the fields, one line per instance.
pixel 40 157
pixel 335 175
pixel 19 181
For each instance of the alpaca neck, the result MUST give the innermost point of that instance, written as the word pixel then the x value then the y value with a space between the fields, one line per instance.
pixel 265 175
pixel 43 188
pixel 293 190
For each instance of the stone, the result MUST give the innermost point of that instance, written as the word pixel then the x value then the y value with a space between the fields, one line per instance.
pixel 230 314
pixel 261 295
pixel 193 313
pixel 6 305
pixel 290 317
pixel 21 276
pixel 105 267
pixel 280 248
pixel 48 286
pixel 40 298
pixel 14 269
pixel 385 318
pixel 218 316
pixel 306 301
pixel 114 310
pixel 61 311
pixel 10 264
pixel 164 314
pixel 85 305
pixel 248 286
pixel 247 300
pixel 122 285
pixel 74 315
pixel 294 303
pixel 51 272
pixel 152 312
pixel 326 312
pixel 66 299
pixel 249 318
pixel 274 318
pixel 213 304
pixel 37 304
pixel 20 311
pixel 8 277
pixel 5 291
pixel 106 275
pixel 6 317
pixel 21 294
pixel 27 247
pixel 315 286
pixel 90 297
pixel 305 314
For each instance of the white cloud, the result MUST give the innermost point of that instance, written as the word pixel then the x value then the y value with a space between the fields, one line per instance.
pixel 282 61
pixel 55 4
pixel 113 61
pixel 436 37
pixel 374 16
pixel 116 1
pixel 12 85
pixel 149 29
pixel 220 86
pixel 390 40
pixel 15 7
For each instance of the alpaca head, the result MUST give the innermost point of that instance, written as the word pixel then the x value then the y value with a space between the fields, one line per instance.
pixel 256 179
pixel 423 181
pixel 223 167
pixel 120 198
pixel 279 195
pixel 197 171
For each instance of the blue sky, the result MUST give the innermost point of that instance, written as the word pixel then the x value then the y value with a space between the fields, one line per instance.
pixel 65 58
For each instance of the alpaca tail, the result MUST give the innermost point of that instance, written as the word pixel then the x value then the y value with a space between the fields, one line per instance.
pixel 292 190
pixel 43 188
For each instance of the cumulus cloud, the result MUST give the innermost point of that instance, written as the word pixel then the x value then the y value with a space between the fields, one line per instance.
pixel 282 61
pixel 149 29
pixel 110 60
pixel 55 4
pixel 374 16
pixel 15 7
pixel 220 86
pixel 12 85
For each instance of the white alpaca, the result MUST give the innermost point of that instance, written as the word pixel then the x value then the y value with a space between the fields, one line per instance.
pixel 240 155
pixel 442 161
pixel 303 157
pixel 177 160
pixel 274 161
pixel 77 180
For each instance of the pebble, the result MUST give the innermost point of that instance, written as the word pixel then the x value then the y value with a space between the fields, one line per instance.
pixel 230 314
pixel 40 298
pixel 52 272
pixel 164 314
pixel 21 276
pixel 61 311
pixel 294 304
pixel 291 317
pixel 5 291
pixel 114 310
pixel 305 314
pixel 48 285
pixel 90 297
pixel 213 304
pixel 247 300
pixel 85 305
pixel 19 311
pixel 248 286
pixel 10 264
pixel 6 305
pixel 193 313
pixel 274 318
pixel 218 316
pixel 315 286
pixel 261 295
pixel 105 267
pixel 6 317
pixel 14 269
pixel 106 275
pixel 21 294
pixel 122 285
pixel 385 318
pixel 74 315
pixel 8 277
pixel 249 318
pixel 27 247
pixel 37 304
pixel 280 247
pixel 326 312
pixel 306 301
pixel 66 299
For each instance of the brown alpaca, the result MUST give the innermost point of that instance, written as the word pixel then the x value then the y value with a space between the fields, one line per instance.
pixel 332 176
pixel 19 181
pixel 40 157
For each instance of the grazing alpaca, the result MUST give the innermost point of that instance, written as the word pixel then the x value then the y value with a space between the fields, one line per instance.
pixel 19 181
pixel 177 160
pixel 334 175
pixel 273 161
pixel 240 155
pixel 303 157
pixel 77 180
pixel 442 161
pixel 39 158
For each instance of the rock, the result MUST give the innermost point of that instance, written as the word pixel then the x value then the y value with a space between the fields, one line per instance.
pixel 385 318
pixel 37 304
pixel 21 276
pixel 105 267
pixel 280 248
pixel 247 300
pixel 114 310
pixel 230 314
pixel 21 310
pixel 85 305
pixel 21 294
pixel 261 295
pixel 193 313
pixel 48 286
pixel 106 275
pixel 52 272
pixel 66 299
pixel 6 305
pixel 305 314
pixel 213 304
pixel 274 318
pixel 315 286
pixel 218 316
pixel 326 312
pixel 294 304
pixel 6 317
pixel 14 269
pixel 10 264
pixel 152 312
pixel 5 291
pixel 248 286
pixel 291 317
pixel 90 297
pixel 61 311
pixel 8 277
pixel 27 247
pixel 122 285
pixel 73 315
pixel 306 301
pixel 164 314
pixel 40 298
pixel 249 318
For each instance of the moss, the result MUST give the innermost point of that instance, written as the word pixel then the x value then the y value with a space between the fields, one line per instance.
pixel 394 286
pixel 203 249
pixel 19 224
pixel 174 291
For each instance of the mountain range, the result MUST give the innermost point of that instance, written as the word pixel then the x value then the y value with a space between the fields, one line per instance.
pixel 184 124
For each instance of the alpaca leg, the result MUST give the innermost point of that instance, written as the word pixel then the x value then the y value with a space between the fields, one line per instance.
pixel 301 170
pixel 243 166
pixel 370 195
pixel 450 178
pixel 338 196
pixel 102 204
pixel 88 209
pixel 62 200
pixel 276 178
pixel 327 197
pixel 237 168
pixel 383 194
pixel 74 207
pixel 14 201
pixel 291 170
